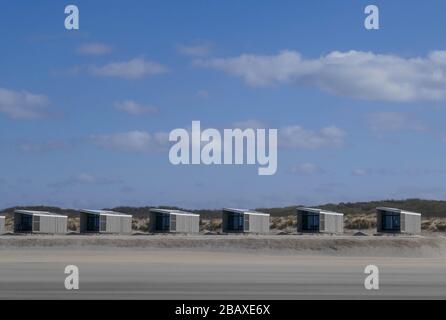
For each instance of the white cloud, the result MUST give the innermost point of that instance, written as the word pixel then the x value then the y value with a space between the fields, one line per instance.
pixel 85 179
pixel 133 141
pixel 94 48
pixel 42 147
pixel 393 121
pixel 203 93
pixel 299 137
pixel 360 172
pixel 356 74
pixel 23 104
pixel 409 172
pixel 196 50
pixel 133 69
pixel 134 108
pixel 307 169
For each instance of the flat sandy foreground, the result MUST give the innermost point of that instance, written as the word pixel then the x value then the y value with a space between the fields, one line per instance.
pixel 222 267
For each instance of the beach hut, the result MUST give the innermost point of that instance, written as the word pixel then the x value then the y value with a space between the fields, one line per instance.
pixel 244 221
pixel 103 221
pixel 172 221
pixel 2 224
pixel 313 220
pixel 392 220
pixel 26 221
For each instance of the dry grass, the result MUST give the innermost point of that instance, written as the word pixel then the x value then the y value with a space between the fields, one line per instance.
pixel 434 224
pixel 140 224
pixel 283 223
pixel 73 224
pixel 213 225
pixel 360 221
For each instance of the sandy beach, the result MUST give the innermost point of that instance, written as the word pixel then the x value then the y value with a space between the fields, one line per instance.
pixel 221 267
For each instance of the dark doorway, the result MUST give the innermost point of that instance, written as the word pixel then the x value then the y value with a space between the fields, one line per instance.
pixel 390 221
pixel 235 221
pixel 25 224
pixel 310 222
pixel 162 222
pixel 92 223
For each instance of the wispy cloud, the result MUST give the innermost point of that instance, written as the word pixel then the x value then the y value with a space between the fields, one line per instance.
pixel 42 147
pixel 306 169
pixel 23 104
pixel 94 48
pixel 360 172
pixel 356 74
pixel 134 108
pixel 133 141
pixel 203 93
pixel 381 122
pixel 298 137
pixel 85 179
pixel 195 50
pixel 133 69
pixel 409 172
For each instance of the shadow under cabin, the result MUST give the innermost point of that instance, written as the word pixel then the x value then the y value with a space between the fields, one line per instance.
pixel 392 220
pixel 104 221
pixel 244 221
pixel 2 225
pixel 313 220
pixel 26 221
pixel 173 221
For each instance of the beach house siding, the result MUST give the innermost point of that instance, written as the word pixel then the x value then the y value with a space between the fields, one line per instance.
pixel 331 223
pixel 410 223
pixel 40 222
pixel 49 224
pixel 2 225
pixel 392 220
pixel 313 220
pixel 171 221
pixel 102 221
pixel 245 221
pixel 258 223
pixel 185 223
pixel 117 223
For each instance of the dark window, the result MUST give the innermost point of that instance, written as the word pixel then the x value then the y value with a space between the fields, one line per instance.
pixel 235 221
pixel 310 222
pixel 92 223
pixel 390 221
pixel 162 222
pixel 26 223
pixel 36 223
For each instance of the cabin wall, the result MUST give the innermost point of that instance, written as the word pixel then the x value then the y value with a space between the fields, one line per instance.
pixel 258 223
pixel 331 223
pixel 410 223
pixel 52 225
pixel 118 224
pixel 186 224
pixel 151 223
pixel 2 225
pixel 299 220
pixel 83 222
pixel 224 222
pixel 379 221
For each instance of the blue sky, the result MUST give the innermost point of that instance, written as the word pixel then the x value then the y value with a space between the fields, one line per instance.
pixel 84 114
